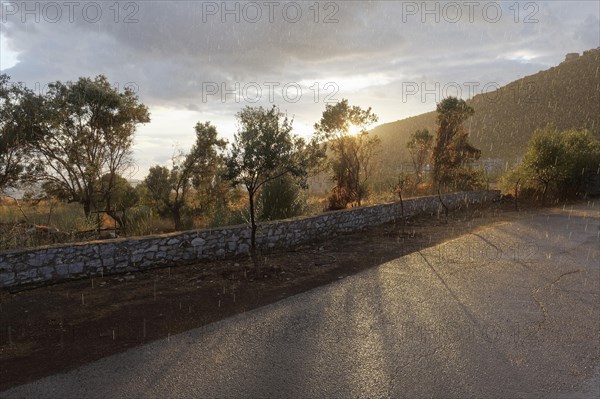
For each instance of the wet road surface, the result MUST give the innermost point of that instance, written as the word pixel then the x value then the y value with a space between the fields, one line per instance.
pixel 509 311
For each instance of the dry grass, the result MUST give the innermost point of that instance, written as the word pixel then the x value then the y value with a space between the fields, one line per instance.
pixel 16 217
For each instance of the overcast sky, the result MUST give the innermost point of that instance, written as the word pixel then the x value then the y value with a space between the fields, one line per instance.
pixel 197 61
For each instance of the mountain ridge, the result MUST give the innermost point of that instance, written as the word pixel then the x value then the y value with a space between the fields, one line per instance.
pixel 566 95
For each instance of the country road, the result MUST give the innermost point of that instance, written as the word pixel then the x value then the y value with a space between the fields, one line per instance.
pixel 509 311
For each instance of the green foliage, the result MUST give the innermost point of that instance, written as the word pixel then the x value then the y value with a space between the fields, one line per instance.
pixel 350 169
pixel 280 199
pixel 118 197
pixel 171 191
pixel 228 216
pixel 157 188
pixel 87 134
pixel 419 146
pixel 264 149
pixel 121 193
pixel 452 152
pixel 556 163
pixel 468 179
pixel 139 219
pixel 353 155
pixel 19 114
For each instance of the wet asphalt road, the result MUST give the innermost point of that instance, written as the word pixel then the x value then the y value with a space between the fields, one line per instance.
pixel 509 311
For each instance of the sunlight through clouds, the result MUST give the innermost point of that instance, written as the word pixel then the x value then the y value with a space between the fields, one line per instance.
pixel 175 51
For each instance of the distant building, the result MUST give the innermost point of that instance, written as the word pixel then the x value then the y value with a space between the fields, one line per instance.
pixel 592 51
pixel 571 56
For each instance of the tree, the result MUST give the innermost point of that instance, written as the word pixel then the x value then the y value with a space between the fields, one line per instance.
pixel 352 162
pixel 263 150
pixel 87 135
pixel 123 196
pixel 452 152
pixel 280 199
pixel 171 189
pixel 419 147
pixel 20 112
pixel 398 188
pixel 158 186
pixel 556 161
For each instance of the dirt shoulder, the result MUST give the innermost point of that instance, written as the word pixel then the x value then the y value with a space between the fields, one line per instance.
pixel 51 329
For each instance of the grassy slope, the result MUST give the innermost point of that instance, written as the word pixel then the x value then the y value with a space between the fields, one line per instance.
pixel 567 95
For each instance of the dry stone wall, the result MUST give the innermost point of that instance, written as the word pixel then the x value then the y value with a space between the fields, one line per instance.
pixel 61 262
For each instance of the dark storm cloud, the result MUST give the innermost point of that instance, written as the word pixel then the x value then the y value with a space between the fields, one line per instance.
pixel 171 50
pixel 174 48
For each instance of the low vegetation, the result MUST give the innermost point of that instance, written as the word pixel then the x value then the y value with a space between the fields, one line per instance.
pixel 557 165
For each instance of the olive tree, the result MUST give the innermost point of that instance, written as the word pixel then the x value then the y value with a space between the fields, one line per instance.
pixel 419 147
pixel 20 113
pixel 264 149
pixel 556 162
pixel 171 189
pixel 353 154
pixel 452 152
pixel 86 139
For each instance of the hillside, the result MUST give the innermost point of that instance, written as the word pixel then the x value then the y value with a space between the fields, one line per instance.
pixel 567 95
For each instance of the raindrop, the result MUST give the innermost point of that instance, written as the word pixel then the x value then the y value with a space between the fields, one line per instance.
pixel 82 299
pixel 144 328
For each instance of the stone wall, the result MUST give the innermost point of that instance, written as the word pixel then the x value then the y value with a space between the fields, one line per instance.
pixel 60 262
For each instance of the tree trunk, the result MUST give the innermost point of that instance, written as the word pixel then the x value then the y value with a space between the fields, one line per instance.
pixel 402 210
pixel 517 195
pixel 544 193
pixel 87 208
pixel 358 188
pixel 177 217
pixel 443 205
pixel 253 227
pixel 113 213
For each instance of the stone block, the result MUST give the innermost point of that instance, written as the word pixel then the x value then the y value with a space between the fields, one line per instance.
pixel 198 242
pixel 76 268
pixel 7 279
